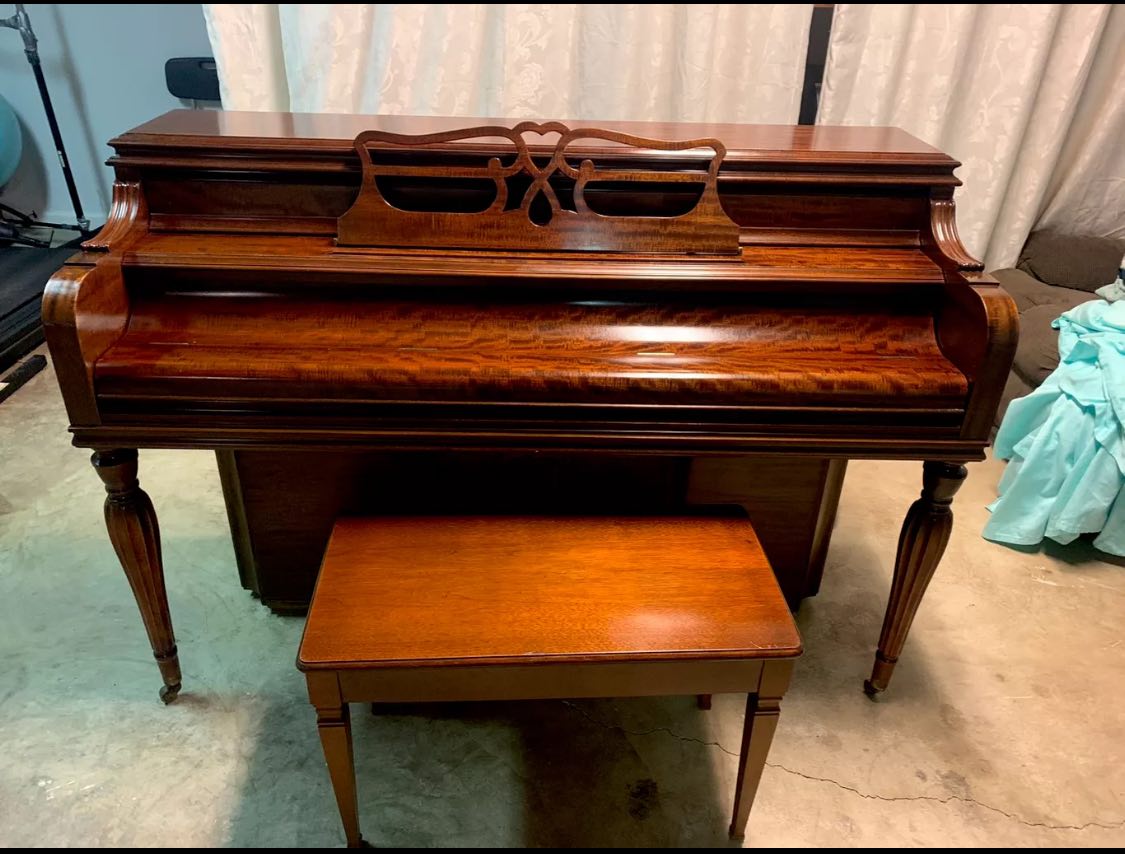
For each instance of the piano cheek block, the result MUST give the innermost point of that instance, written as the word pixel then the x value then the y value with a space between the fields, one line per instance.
pixel 297 292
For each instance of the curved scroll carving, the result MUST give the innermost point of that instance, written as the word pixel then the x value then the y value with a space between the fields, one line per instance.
pixel 943 223
pixel 571 225
pixel 128 212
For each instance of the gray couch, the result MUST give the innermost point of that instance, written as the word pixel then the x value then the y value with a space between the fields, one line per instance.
pixel 1055 273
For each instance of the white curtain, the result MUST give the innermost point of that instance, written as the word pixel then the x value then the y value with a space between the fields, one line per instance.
pixel 1030 98
pixel 659 62
pixel 1087 190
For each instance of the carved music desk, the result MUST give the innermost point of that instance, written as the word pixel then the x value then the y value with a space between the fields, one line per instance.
pixel 361 290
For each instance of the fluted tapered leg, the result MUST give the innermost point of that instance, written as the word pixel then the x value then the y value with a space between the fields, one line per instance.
pixel 135 535
pixel 925 534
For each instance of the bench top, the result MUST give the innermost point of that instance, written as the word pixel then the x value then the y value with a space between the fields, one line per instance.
pixel 449 591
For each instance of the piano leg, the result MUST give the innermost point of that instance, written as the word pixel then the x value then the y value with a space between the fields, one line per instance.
pixel 135 535
pixel 921 544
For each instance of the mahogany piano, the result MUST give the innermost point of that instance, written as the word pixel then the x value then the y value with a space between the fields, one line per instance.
pixel 382 314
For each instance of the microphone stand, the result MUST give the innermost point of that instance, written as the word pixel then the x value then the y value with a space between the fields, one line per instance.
pixel 22 24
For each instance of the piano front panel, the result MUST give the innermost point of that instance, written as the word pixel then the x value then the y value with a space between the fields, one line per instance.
pixel 614 353
pixel 799 212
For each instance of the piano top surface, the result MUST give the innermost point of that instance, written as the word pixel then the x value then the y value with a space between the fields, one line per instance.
pixel 336 132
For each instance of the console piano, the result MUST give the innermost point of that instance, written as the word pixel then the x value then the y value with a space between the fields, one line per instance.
pixel 345 307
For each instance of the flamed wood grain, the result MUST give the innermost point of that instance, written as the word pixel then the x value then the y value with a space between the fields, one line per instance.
pixel 618 353
pixel 275 256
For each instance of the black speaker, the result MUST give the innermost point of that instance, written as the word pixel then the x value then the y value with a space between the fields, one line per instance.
pixel 193 78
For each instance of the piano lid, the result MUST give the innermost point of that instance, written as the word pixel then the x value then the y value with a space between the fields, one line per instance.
pixel 314 135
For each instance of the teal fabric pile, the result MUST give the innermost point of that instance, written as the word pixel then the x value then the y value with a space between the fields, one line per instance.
pixel 1066 440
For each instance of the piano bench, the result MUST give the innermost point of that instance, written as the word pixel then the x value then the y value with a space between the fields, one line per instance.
pixel 518 608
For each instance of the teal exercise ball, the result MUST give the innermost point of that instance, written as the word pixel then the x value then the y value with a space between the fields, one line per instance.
pixel 11 142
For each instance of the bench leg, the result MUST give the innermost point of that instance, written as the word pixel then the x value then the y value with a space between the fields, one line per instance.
pixel 333 723
pixel 703 701
pixel 762 711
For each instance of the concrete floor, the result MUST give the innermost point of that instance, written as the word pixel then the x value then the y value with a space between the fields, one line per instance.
pixel 1003 725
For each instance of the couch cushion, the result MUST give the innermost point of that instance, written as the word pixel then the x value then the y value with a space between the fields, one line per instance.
pixel 1027 291
pixel 1072 261
pixel 1038 351
pixel 1067 298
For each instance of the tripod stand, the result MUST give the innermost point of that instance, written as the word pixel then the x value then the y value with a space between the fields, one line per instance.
pixel 12 220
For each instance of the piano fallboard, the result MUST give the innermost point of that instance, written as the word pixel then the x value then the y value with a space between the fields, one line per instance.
pixel 315 351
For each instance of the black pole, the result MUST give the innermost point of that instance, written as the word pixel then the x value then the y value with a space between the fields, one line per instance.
pixel 20 21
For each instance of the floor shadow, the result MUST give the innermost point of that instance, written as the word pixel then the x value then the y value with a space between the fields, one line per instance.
pixel 840 629
pixel 513 774
pixel 826 702
pixel 1076 553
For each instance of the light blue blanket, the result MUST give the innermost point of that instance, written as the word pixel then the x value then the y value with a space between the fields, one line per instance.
pixel 1066 441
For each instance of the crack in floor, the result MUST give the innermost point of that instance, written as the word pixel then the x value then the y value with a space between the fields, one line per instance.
pixel 948 799
pixel 890 798
pixel 653 731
